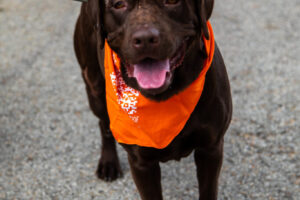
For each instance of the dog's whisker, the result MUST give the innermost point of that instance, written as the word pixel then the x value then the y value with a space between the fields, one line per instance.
pixel 113 35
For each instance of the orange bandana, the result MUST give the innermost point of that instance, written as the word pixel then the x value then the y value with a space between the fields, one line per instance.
pixel 134 119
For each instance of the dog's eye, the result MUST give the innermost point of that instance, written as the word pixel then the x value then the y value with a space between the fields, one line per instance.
pixel 171 2
pixel 119 4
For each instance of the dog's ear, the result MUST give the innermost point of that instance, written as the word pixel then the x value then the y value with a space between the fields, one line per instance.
pixel 97 10
pixel 204 10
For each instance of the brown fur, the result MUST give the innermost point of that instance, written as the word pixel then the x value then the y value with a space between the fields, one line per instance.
pixel 204 131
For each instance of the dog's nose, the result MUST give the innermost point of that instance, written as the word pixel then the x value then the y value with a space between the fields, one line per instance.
pixel 145 38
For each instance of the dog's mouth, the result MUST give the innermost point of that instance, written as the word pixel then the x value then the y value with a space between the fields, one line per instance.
pixel 152 74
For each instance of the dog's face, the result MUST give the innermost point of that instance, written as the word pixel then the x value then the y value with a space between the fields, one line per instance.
pixel 153 38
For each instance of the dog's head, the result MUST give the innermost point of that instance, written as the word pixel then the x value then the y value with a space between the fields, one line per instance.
pixel 153 38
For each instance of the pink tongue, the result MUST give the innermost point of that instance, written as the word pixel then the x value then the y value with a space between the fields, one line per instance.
pixel 151 74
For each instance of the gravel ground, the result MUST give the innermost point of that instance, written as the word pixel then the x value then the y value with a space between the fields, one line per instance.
pixel 49 139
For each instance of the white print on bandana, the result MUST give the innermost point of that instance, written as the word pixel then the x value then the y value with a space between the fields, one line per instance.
pixel 127 96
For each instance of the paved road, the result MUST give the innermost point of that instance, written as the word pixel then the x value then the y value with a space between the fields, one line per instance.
pixel 49 140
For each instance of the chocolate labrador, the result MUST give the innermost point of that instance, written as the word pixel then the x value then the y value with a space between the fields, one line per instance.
pixel 166 37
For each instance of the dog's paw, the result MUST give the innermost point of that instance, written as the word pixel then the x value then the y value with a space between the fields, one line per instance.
pixel 109 169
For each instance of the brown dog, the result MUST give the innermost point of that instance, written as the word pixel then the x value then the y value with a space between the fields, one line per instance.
pixel 150 31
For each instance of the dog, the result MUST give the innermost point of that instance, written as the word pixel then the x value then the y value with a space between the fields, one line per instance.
pixel 157 50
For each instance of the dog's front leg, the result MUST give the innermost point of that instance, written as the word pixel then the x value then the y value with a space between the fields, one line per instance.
pixel 208 163
pixel 147 177
pixel 109 167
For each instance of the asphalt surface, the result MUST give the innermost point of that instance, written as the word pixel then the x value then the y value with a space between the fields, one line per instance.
pixel 49 139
